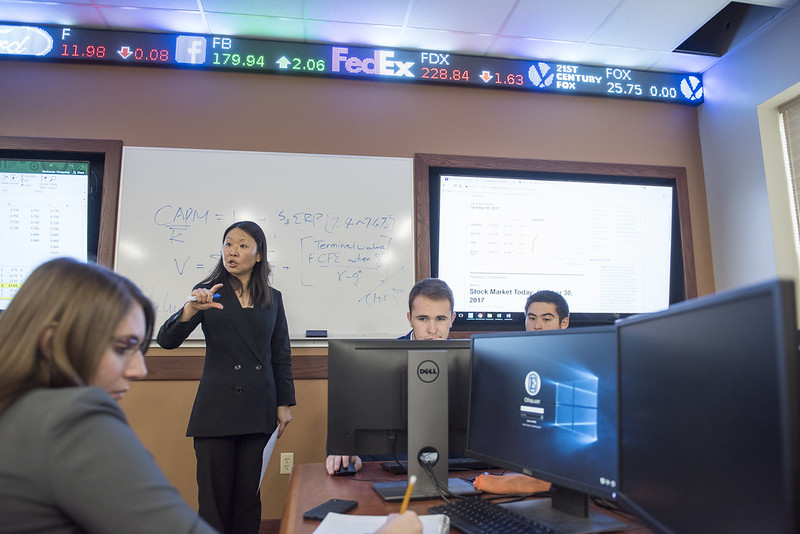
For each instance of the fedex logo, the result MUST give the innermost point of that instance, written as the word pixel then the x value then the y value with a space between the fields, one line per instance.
pixel 381 63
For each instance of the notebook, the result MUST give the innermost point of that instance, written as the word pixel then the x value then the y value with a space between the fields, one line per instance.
pixel 367 524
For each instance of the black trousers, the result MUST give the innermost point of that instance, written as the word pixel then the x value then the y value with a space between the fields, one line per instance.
pixel 228 475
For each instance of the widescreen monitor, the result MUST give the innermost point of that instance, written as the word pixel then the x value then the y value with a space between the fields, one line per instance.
pixel 610 245
pixel 545 404
pixel 370 411
pixel 709 416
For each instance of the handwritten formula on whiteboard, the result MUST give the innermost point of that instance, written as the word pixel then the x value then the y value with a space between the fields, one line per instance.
pixel 339 231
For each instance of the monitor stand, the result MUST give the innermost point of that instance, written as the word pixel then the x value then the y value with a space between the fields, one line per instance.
pixel 427 429
pixel 567 511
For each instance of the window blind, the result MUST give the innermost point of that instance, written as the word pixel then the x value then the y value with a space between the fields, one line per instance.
pixel 790 135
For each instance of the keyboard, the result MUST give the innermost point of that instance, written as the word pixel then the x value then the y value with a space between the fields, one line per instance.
pixel 481 516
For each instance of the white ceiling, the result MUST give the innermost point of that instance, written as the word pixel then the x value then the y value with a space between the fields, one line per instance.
pixel 639 34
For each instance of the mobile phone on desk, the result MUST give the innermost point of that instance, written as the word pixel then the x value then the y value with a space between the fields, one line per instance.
pixel 340 506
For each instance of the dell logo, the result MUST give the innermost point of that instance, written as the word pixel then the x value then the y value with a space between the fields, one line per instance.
pixel 428 371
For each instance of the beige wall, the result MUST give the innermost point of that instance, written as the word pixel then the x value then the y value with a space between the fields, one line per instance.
pixel 195 109
pixel 158 413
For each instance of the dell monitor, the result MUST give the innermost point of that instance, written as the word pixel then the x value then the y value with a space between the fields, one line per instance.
pixel 545 404
pixel 389 397
pixel 709 414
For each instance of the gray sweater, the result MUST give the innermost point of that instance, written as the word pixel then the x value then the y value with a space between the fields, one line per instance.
pixel 70 463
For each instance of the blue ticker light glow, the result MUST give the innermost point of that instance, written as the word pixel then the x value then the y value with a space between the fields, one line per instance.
pixel 179 50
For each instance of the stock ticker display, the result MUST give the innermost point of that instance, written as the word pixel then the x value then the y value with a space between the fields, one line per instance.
pixel 217 52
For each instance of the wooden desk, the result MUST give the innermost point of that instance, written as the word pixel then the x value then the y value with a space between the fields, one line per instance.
pixel 311 485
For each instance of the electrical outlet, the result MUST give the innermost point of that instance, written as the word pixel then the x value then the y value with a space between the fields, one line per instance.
pixel 287 462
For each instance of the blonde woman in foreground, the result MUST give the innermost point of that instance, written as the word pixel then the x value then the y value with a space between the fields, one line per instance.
pixel 71 342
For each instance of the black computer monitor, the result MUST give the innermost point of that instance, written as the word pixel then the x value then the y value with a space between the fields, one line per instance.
pixel 545 404
pixel 709 416
pixel 368 402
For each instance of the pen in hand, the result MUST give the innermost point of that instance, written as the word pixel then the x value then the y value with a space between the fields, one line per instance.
pixel 192 298
pixel 411 481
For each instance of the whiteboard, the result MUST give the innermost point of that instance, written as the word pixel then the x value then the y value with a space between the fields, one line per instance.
pixel 339 231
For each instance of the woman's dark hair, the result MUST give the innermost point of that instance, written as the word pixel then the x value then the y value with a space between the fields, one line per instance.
pixel 258 287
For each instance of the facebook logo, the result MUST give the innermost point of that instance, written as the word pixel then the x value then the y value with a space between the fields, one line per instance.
pixel 190 49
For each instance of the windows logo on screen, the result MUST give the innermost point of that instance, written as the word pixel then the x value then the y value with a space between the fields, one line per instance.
pixel 577 406
pixel 190 49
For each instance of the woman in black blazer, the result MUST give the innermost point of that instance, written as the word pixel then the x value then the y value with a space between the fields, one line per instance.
pixel 246 388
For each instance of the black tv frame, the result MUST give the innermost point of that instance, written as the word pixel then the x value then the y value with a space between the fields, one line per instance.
pixel 427 165
pixel 105 157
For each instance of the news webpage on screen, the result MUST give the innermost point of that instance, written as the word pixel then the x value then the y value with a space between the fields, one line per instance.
pixel 604 246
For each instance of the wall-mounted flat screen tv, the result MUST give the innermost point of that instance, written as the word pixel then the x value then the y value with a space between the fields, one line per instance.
pixel 611 245
pixel 48 208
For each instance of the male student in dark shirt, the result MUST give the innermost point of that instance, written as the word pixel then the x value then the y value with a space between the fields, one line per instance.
pixel 430 310
pixel 546 310
pixel 430 314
